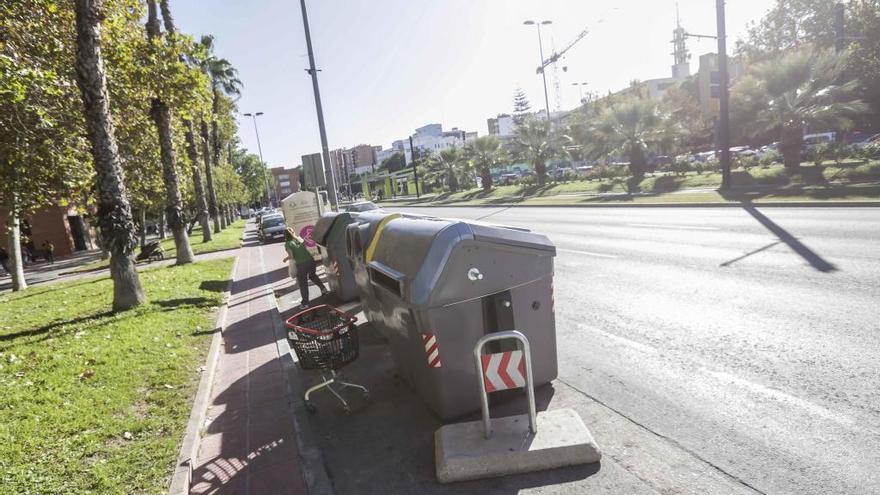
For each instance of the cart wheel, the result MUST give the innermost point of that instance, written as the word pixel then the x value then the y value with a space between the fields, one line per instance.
pixel 310 407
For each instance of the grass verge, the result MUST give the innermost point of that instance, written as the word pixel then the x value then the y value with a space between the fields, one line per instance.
pixel 94 402
pixel 845 182
pixel 227 239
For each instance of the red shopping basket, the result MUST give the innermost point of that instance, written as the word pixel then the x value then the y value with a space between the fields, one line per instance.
pixel 323 337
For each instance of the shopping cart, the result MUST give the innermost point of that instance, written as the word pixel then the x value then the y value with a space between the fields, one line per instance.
pixel 326 339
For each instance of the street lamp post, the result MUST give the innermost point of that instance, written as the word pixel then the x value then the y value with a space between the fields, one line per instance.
pixel 260 150
pixel 325 149
pixel 543 72
pixel 723 97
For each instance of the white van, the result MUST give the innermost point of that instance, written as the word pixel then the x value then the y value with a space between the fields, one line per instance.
pixel 813 140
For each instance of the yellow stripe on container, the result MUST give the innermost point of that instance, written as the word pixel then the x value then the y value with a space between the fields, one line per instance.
pixel 371 249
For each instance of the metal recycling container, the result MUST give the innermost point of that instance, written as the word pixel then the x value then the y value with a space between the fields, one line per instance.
pixel 439 285
pixel 330 233
pixel 358 236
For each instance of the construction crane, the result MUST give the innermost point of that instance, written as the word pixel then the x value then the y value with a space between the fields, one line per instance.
pixel 557 55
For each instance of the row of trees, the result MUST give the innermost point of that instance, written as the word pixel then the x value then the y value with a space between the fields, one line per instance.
pixel 799 78
pixel 117 118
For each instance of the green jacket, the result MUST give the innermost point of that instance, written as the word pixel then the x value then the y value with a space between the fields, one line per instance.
pixel 298 251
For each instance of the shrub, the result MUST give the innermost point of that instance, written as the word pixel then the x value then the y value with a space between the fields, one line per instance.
pixel 770 158
pixel 744 162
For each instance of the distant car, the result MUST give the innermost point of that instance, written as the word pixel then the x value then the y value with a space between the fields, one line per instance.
pixel 811 141
pixel 271 228
pixel 875 139
pixel 742 151
pixel 361 206
pixel 508 179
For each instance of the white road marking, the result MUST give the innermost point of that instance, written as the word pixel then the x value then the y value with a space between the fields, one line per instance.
pixel 588 253
pixel 674 227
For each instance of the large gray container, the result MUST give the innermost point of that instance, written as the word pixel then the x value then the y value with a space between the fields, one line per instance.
pixel 459 280
pixel 358 238
pixel 330 233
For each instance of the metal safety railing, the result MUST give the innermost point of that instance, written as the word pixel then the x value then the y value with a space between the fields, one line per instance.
pixel 504 371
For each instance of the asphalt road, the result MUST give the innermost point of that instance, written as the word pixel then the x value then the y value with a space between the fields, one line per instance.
pixel 747 337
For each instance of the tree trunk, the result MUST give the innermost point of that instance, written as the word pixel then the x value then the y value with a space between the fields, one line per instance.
pixel 201 202
pixel 114 210
pixel 791 143
pixel 161 115
pixel 209 177
pixel 16 265
pixel 173 203
pixel 636 162
pixel 223 219
pixel 541 170
pixel 486 178
pixel 162 235
pixel 191 148
pixel 142 230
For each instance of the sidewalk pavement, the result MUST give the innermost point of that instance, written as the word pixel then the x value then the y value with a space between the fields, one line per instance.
pixel 248 443
pixel 386 445
pixel 43 272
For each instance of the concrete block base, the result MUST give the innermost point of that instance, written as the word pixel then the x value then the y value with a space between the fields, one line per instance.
pixel 461 452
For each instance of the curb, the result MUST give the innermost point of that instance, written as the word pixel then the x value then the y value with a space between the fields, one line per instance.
pixel 312 462
pixel 761 204
pixel 189 448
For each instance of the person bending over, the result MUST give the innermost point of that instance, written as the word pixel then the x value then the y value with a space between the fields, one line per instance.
pixel 302 267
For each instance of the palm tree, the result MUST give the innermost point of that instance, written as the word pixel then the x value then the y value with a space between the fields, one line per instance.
pixel 630 128
pixel 448 162
pixel 799 90
pixel 192 150
pixel 224 80
pixel 114 211
pixel 535 141
pixel 161 115
pixel 485 152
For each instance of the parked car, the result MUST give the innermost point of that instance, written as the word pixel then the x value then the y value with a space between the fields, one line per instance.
pixel 271 228
pixel 742 151
pixel 811 141
pixel 508 179
pixel 361 206
pixel 875 139
pixel 767 149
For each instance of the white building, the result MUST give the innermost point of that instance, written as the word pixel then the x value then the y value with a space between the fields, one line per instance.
pixel 432 139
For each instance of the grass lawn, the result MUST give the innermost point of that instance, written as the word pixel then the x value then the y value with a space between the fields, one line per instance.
pixel 847 181
pixel 92 402
pixel 227 239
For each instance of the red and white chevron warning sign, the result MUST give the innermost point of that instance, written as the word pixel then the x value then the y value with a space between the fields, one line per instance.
pixel 432 350
pixel 503 371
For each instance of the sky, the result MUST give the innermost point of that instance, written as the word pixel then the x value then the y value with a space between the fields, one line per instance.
pixel 390 66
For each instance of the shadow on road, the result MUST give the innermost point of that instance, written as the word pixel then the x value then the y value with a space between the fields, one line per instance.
pixel 791 241
pixel 750 253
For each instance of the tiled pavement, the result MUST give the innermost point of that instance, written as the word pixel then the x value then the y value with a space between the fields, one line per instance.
pixel 248 444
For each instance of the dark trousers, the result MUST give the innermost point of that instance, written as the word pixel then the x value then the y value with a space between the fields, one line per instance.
pixel 304 273
pixel 50 256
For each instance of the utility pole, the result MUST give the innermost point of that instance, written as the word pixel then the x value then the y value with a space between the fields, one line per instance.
pixel 723 97
pixel 412 152
pixel 543 71
pixel 260 149
pixel 325 149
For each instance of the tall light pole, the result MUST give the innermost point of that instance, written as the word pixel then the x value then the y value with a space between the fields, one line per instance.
pixel 543 72
pixel 260 149
pixel 723 97
pixel 325 149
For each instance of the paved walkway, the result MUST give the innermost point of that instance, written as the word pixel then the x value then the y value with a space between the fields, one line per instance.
pixel 248 444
